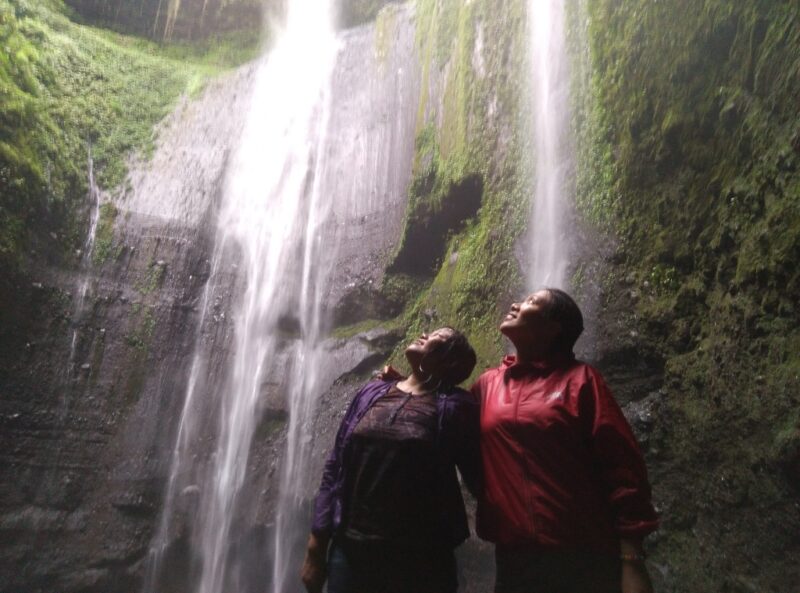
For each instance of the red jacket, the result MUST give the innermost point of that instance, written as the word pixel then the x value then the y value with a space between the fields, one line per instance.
pixel 562 467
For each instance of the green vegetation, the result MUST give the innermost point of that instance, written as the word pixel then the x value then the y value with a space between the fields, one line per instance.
pixel 104 234
pixel 144 321
pixel 348 331
pixel 689 150
pixel 153 277
pixel 66 88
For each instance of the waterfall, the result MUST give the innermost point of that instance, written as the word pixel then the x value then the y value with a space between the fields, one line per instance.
pixel 550 107
pixel 86 259
pixel 314 194
pixel 269 229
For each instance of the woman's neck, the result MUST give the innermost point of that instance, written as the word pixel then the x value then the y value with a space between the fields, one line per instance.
pixel 414 384
pixel 531 353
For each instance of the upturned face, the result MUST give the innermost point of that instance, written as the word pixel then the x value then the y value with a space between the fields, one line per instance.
pixel 429 346
pixel 527 322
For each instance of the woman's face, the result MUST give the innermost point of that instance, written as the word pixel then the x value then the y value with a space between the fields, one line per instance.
pixel 528 321
pixel 429 347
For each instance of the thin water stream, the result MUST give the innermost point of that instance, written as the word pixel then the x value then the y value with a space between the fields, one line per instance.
pixel 550 107
pixel 86 260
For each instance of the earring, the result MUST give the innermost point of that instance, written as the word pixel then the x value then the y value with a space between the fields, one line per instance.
pixel 430 376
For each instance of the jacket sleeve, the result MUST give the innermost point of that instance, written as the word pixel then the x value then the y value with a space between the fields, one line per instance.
pixel 468 452
pixel 618 460
pixel 324 503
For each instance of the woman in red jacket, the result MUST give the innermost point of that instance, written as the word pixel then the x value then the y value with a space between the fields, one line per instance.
pixel 566 498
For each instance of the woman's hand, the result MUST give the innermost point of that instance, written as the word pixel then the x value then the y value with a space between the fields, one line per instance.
pixel 389 373
pixel 315 567
pixel 635 578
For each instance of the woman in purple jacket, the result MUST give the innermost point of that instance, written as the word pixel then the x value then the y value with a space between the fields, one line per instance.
pixel 389 510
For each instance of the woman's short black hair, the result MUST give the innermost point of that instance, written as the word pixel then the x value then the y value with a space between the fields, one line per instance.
pixel 563 309
pixel 459 358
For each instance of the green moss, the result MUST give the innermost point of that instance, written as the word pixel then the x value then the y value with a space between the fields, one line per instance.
pixel 141 328
pixel 269 427
pixel 384 31
pixel 65 88
pixel 153 278
pixel 348 331
pixel 104 246
pixel 144 324
pixel 689 150
pixel 398 289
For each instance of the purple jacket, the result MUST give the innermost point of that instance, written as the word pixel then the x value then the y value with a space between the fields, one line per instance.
pixel 456 445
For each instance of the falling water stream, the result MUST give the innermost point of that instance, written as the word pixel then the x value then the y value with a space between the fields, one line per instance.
pixel 269 219
pixel 272 212
pixel 550 107
pixel 86 258
pixel 291 197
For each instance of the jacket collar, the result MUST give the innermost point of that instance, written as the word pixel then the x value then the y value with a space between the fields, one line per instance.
pixel 511 365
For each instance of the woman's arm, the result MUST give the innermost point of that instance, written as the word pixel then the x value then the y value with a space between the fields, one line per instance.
pixel 315 565
pixel 323 504
pixel 617 457
pixel 624 476
pixel 314 571
pixel 468 451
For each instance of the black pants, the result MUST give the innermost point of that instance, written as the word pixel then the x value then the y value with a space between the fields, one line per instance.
pixel 525 570
pixel 359 567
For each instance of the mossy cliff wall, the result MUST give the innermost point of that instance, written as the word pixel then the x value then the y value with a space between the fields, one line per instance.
pixel 467 198
pixel 66 90
pixel 92 379
pixel 688 155
pixel 82 416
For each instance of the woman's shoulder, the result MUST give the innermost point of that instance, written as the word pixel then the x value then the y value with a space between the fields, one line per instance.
pixel 488 375
pixel 373 386
pixel 459 396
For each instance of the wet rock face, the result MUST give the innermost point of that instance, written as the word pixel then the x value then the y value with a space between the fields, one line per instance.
pixel 425 242
pixel 91 388
pixel 176 19
pixel 357 12
pixel 79 435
